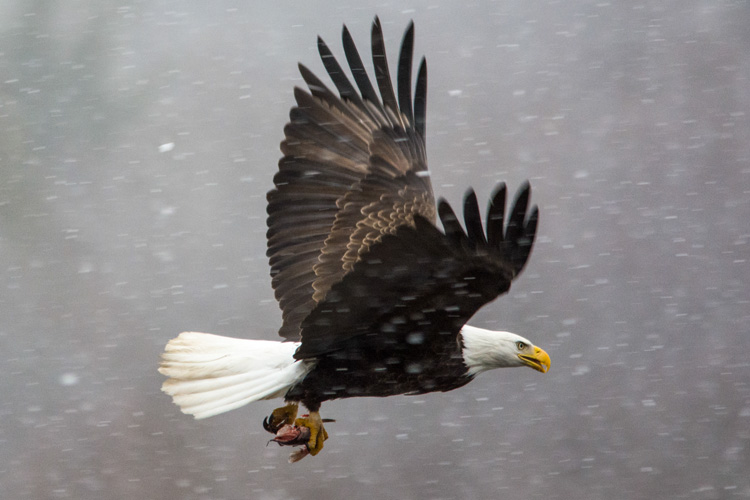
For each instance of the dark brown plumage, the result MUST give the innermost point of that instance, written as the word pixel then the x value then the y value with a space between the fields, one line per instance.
pixel 375 292
pixel 352 171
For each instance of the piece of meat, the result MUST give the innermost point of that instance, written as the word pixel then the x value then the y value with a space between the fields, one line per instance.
pixel 293 435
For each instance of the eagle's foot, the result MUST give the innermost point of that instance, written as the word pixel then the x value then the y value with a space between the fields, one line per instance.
pixel 280 417
pixel 307 430
pixel 318 433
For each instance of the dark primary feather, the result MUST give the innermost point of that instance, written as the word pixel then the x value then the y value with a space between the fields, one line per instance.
pixel 358 69
pixel 404 74
pixel 420 100
pixel 496 214
pixel 520 231
pixel 473 220
pixel 380 63
pixel 351 173
pixel 421 281
pixel 344 86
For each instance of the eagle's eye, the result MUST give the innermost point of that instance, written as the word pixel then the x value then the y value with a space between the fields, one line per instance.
pixel 521 345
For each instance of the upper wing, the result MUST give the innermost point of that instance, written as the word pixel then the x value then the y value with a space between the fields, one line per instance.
pixel 354 169
pixel 420 285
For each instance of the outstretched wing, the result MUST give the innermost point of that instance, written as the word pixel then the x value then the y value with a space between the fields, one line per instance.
pixel 420 285
pixel 354 169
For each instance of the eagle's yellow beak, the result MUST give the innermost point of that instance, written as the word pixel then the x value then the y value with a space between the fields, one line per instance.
pixel 539 360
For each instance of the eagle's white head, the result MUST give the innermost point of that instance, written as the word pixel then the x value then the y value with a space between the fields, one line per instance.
pixel 487 349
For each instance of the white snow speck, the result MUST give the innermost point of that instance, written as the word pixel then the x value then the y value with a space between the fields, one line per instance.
pixel 581 370
pixel 68 379
pixel 167 147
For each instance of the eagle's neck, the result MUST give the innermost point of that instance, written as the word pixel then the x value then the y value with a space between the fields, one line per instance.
pixel 487 349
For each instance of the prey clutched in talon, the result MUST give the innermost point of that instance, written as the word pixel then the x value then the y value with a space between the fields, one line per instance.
pixel 307 432
pixel 292 435
pixel 280 417
pixel 318 433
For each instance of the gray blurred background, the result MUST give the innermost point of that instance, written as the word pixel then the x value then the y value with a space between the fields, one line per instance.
pixel 138 140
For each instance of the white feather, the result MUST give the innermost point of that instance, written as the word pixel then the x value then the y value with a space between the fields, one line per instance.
pixel 210 374
pixel 488 349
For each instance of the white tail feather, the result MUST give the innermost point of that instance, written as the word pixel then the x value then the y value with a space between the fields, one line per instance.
pixel 210 374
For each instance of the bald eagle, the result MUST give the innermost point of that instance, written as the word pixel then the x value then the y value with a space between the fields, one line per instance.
pixel 374 296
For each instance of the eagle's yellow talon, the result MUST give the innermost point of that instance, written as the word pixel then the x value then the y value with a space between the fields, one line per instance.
pixel 280 417
pixel 318 433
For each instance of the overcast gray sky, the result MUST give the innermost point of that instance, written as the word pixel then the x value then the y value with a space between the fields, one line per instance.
pixel 138 140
